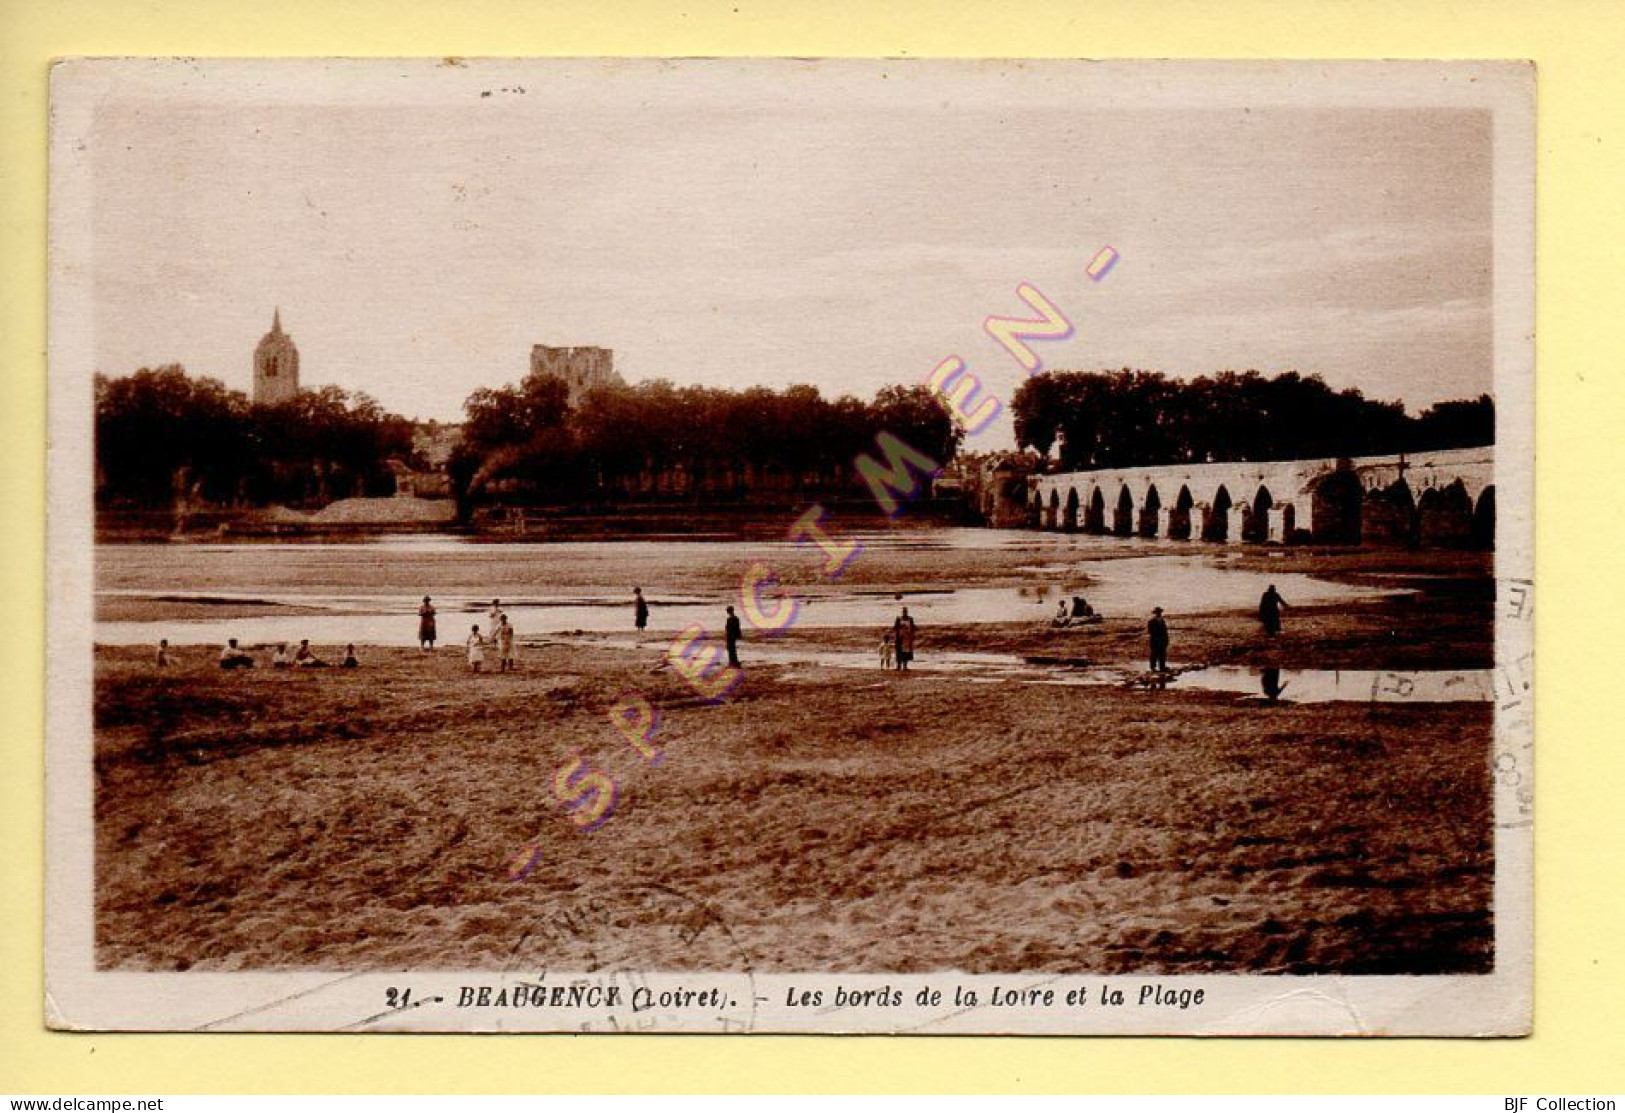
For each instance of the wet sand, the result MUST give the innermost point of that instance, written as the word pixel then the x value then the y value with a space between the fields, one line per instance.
pixel 832 819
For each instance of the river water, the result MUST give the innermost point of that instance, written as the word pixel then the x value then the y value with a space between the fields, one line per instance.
pixel 1185 581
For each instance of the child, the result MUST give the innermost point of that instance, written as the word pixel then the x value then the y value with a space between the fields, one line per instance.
pixel 886 643
pixel 476 650
pixel 349 658
pixel 505 645
pixel 162 660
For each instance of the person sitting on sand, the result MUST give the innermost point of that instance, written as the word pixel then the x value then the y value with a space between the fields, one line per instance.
pixel 476 650
pixel 232 657
pixel 350 661
pixel 162 660
pixel 426 634
pixel 306 658
pixel 280 658
pixel 505 646
pixel 1061 618
pixel 1081 607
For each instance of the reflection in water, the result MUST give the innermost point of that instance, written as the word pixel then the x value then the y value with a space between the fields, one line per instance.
pixel 1346 685
pixel 1272 684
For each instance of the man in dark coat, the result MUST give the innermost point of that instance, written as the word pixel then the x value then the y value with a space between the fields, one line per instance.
pixel 731 632
pixel 640 609
pixel 1269 610
pixel 1158 630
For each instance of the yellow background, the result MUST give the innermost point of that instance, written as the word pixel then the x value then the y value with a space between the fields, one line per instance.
pixel 1580 880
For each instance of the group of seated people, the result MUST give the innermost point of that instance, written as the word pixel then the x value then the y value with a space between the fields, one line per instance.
pixel 234 656
pixel 1080 614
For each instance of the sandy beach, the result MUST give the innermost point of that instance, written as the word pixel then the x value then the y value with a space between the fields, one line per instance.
pixel 374 818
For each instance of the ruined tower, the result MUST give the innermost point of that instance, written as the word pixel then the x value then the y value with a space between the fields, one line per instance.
pixel 580 368
pixel 276 366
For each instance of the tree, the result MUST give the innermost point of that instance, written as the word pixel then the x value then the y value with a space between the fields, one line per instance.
pixel 159 430
pixel 1036 410
pixel 915 416
pixel 1464 423
pixel 162 433
pixel 1129 417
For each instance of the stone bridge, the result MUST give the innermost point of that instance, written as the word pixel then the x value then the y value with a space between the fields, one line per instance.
pixel 1442 498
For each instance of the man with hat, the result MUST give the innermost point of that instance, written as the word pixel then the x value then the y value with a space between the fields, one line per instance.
pixel 1158 629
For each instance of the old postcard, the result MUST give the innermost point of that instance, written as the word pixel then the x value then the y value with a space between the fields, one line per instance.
pixel 769 545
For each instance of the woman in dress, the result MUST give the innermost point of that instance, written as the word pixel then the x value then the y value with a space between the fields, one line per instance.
pixel 504 639
pixel 426 635
pixel 904 631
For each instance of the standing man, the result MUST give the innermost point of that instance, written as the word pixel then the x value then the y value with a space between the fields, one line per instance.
pixel 1269 610
pixel 495 617
pixel 1158 631
pixel 640 609
pixel 731 633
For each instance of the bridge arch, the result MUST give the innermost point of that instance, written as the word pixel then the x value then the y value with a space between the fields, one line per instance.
pixel 1389 515
pixel 1336 507
pixel 1217 525
pixel 1150 511
pixel 1255 516
pixel 1179 518
pixel 1069 522
pixel 1444 517
pixel 1052 512
pixel 1094 520
pixel 1484 519
pixel 1123 516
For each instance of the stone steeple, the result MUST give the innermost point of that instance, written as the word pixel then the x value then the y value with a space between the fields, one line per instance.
pixel 276 365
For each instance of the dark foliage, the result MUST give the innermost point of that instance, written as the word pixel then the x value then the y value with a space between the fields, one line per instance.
pixel 163 433
pixel 1104 419
pixel 659 440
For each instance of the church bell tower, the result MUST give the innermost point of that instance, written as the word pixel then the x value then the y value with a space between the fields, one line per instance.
pixel 276 366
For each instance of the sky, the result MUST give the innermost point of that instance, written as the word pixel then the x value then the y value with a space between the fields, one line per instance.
pixel 848 227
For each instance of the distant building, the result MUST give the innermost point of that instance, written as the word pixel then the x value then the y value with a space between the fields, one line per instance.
pixel 276 366
pixel 580 368
pixel 435 441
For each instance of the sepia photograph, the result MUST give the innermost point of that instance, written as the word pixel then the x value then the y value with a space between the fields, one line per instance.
pixel 785 545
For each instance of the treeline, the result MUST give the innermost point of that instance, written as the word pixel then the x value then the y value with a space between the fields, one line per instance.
pixel 1101 419
pixel 162 434
pixel 524 445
